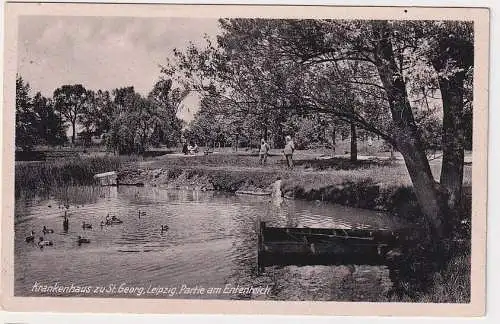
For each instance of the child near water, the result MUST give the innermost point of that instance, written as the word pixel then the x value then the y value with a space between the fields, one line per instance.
pixel 288 151
pixel 264 149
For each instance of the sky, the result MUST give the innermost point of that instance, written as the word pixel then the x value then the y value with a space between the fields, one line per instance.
pixel 104 52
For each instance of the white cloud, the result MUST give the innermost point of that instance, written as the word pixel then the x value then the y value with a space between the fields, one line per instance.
pixel 103 52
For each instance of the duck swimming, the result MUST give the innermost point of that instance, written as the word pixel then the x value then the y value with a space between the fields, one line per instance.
pixel 65 224
pixel 42 242
pixel 113 220
pixel 86 225
pixel 31 238
pixel 83 240
pixel 46 230
pixel 164 228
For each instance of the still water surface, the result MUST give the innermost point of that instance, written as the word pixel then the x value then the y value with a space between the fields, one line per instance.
pixel 211 242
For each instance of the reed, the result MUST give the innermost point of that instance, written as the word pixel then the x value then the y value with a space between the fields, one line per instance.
pixel 42 177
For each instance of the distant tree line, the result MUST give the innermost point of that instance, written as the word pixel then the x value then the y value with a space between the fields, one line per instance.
pixel 124 120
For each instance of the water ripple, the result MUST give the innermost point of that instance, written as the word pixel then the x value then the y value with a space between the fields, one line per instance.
pixel 211 238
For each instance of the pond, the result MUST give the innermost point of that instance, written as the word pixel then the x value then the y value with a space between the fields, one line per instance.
pixel 208 251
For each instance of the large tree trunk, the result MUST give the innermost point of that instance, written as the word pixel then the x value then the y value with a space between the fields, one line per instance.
pixel 354 143
pixel 452 169
pixel 277 129
pixel 265 133
pixel 460 51
pixel 73 135
pixel 405 134
pixel 334 141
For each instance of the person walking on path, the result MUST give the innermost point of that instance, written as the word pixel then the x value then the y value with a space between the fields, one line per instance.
pixel 264 149
pixel 288 151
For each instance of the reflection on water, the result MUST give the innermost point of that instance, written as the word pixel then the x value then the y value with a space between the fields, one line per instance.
pixel 211 242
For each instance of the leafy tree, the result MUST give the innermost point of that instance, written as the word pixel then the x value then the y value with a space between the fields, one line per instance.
pixel 127 129
pixel 105 111
pixel 452 56
pixel 120 96
pixel 26 119
pixel 139 122
pixel 357 71
pixel 212 125
pixel 245 90
pixel 89 116
pixel 166 102
pixel 71 101
pixel 50 127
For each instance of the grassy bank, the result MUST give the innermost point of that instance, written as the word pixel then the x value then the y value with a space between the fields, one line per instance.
pixel 452 285
pixel 371 184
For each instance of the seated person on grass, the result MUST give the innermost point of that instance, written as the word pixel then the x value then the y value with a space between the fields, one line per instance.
pixel 193 149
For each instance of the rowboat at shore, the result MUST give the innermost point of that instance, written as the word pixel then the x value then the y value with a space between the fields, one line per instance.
pixel 323 246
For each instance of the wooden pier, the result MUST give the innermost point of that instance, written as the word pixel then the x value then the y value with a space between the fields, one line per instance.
pixel 107 178
pixel 323 246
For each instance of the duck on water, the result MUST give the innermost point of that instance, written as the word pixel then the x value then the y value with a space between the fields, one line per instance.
pixel 65 223
pixel 31 237
pixel 82 240
pixel 86 225
pixel 42 242
pixel 46 230
pixel 113 220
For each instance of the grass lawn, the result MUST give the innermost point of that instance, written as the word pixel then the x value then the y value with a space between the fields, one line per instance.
pixel 310 167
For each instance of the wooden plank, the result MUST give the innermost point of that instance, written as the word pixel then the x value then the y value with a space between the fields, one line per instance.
pixel 276 233
pixel 260 246
pixel 253 193
pixel 107 178
pixel 106 174
pixel 309 246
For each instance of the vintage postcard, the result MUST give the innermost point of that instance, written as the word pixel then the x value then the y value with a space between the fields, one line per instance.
pixel 244 159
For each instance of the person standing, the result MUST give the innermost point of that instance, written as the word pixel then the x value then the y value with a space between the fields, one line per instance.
pixel 288 151
pixel 264 149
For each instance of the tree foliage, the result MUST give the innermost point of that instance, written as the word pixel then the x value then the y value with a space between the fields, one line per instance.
pixel 381 76
pixel 50 126
pixel 72 101
pixel 141 122
pixel 25 116
pixel 37 122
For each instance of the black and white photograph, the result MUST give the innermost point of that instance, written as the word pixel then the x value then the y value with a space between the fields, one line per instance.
pixel 246 158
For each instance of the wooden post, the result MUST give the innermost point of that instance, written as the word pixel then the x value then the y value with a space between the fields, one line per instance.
pixel 260 247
